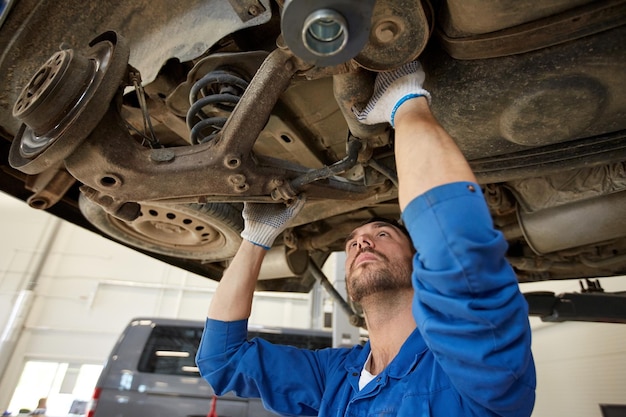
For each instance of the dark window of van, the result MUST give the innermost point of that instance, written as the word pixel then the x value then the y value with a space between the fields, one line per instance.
pixel 171 350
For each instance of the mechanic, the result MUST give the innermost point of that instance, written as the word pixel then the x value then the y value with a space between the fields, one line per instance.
pixel 448 327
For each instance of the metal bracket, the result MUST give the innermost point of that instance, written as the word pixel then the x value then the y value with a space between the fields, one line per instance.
pixel 593 305
pixel 247 9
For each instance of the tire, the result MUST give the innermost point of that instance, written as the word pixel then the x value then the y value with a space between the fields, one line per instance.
pixel 207 232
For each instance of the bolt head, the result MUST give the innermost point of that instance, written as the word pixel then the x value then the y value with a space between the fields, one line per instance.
pixel 386 31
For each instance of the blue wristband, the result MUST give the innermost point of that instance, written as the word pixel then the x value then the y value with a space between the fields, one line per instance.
pixel 258 244
pixel 400 102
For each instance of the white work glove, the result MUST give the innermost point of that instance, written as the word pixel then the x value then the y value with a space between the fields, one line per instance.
pixel 391 89
pixel 265 221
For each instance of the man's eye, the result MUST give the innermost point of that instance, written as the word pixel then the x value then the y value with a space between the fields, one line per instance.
pixel 383 234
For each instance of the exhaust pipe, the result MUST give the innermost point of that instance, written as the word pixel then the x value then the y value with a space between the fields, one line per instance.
pixel 282 262
pixel 584 222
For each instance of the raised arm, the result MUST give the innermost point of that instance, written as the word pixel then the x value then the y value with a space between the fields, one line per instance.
pixel 426 156
pixel 233 297
pixel 256 368
pixel 467 303
pixel 263 223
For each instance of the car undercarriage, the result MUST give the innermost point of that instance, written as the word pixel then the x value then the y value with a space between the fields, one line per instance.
pixel 153 122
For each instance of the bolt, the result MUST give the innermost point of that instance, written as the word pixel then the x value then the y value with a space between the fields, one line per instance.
pixel 237 179
pixel 162 155
pixel 386 31
pixel 254 10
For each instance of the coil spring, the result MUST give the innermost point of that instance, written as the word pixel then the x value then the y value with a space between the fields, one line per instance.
pixel 212 98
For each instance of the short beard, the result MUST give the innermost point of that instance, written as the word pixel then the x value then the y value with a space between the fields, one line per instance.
pixel 380 277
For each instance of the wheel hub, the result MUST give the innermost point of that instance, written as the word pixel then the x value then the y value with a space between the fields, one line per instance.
pixel 52 96
pixel 64 101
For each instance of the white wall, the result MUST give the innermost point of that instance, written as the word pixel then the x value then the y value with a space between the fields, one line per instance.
pixel 579 365
pixel 89 288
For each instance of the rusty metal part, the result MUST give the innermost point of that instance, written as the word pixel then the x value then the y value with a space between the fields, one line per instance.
pixel 585 153
pixel 122 176
pixel 65 100
pixel 355 88
pixel 223 170
pixel 122 210
pixel 251 113
pixel 567 26
pixel 287 191
pixel 48 187
pixel 134 78
pixel 386 171
pixel 499 200
pixel 400 31
pixel 141 178
pixel 247 9
pixel 354 146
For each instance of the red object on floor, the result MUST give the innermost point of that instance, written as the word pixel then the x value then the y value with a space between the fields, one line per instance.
pixel 213 413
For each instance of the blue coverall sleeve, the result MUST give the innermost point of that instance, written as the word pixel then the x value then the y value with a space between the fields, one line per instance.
pixel 256 369
pixel 467 302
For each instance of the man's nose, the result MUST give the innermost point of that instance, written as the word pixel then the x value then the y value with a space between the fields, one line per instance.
pixel 363 241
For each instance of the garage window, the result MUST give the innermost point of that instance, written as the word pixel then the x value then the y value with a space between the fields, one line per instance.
pixel 62 384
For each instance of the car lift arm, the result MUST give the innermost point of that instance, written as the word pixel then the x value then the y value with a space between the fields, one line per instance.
pixel 593 305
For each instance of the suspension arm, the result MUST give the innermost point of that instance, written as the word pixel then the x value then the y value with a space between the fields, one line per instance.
pixel 112 163
pixel 116 169
pixel 253 110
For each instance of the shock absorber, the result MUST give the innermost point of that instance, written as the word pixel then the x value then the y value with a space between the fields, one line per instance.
pixel 212 99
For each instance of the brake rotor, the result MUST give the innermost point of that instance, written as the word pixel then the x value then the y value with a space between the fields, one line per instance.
pixel 65 100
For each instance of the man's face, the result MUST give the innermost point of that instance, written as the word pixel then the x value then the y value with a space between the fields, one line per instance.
pixel 378 258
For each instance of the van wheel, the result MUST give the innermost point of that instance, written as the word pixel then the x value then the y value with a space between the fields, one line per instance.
pixel 208 232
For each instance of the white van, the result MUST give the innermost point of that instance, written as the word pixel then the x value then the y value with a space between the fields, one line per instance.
pixel 151 371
